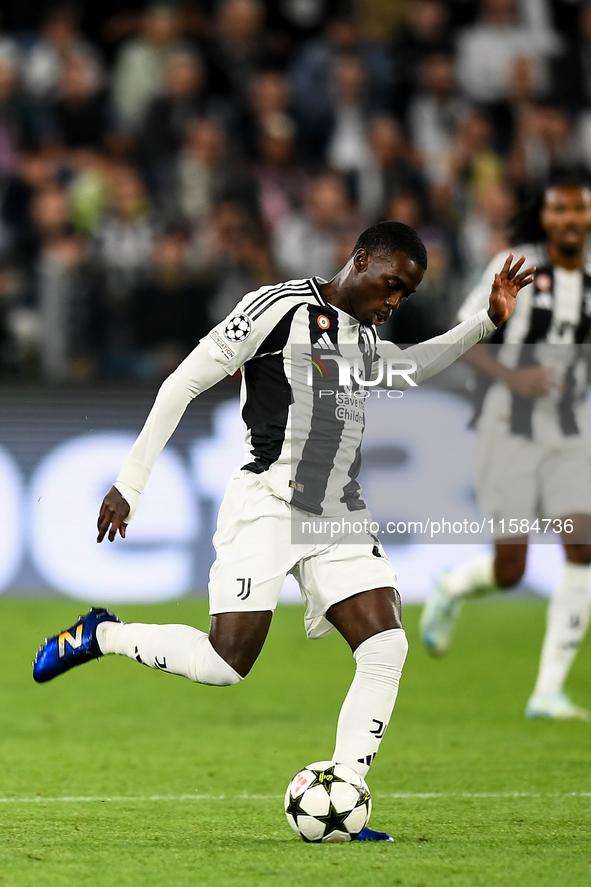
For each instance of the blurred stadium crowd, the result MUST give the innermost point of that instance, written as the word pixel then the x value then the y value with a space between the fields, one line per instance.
pixel 157 162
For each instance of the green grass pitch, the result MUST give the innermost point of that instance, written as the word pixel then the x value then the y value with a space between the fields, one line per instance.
pixel 116 775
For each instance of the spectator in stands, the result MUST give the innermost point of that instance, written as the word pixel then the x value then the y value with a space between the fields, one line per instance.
pixel 281 180
pixel 425 32
pixel 78 118
pixel 54 256
pixel 17 130
pixel 483 232
pixel 121 251
pixel 547 141
pixel 239 49
pixel 348 150
pixel 571 74
pixel 59 39
pixel 140 68
pixel 435 112
pixel 392 167
pixel 268 96
pixel 169 310
pixel 233 256
pixel 473 161
pixel 182 100
pixel 201 172
pixel 305 243
pixel 312 73
pixel 504 32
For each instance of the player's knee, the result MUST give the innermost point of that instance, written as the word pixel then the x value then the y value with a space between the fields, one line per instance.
pixel 578 554
pixel 210 668
pixel 509 571
pixel 385 650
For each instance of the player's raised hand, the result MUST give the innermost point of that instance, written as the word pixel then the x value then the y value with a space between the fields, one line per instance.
pixel 112 515
pixel 506 287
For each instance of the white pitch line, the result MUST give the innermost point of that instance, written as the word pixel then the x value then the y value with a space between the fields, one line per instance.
pixel 135 799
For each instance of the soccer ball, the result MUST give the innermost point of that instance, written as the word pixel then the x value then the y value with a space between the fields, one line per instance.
pixel 327 802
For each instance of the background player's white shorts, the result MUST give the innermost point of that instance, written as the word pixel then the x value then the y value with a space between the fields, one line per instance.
pixel 255 553
pixel 518 478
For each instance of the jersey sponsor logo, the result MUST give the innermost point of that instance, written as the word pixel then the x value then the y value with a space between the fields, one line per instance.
pixel 238 328
pixel 323 322
pixel 224 348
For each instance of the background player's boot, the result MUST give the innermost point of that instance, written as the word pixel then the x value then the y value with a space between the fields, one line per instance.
pixel 438 618
pixel 368 834
pixel 554 705
pixel 71 647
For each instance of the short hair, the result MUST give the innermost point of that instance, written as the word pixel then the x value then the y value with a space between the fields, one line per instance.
pixel 387 238
pixel 526 227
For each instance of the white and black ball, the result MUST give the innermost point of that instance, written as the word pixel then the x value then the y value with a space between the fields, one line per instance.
pixel 327 802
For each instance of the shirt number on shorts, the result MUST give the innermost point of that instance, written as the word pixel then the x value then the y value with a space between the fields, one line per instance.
pixel 244 589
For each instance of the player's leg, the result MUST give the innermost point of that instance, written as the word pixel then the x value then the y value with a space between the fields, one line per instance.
pixel 566 624
pixel 253 556
pixel 506 482
pixel 500 570
pixel 220 658
pixel 371 624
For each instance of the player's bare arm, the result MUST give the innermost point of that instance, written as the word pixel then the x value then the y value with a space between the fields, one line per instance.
pixel 506 287
pixel 112 516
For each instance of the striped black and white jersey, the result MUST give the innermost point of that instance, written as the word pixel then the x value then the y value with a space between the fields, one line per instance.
pixel 305 367
pixel 303 429
pixel 549 327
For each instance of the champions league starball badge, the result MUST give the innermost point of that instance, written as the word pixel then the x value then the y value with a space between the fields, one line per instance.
pixel 238 328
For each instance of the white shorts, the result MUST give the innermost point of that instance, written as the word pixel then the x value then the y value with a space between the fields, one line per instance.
pixel 255 553
pixel 517 478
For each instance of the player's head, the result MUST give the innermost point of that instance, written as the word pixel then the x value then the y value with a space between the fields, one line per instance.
pixel 560 215
pixel 387 265
pixel 565 215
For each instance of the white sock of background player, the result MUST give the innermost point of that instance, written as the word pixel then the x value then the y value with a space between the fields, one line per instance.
pixel 368 705
pixel 474 577
pixel 567 620
pixel 178 649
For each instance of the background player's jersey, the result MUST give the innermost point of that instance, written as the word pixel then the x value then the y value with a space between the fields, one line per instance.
pixel 552 317
pixel 303 429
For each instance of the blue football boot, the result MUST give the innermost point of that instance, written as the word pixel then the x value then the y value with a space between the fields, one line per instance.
pixel 368 834
pixel 72 647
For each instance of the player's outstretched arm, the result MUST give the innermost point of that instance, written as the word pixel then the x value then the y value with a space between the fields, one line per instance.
pixel 436 354
pixel 505 288
pixel 196 374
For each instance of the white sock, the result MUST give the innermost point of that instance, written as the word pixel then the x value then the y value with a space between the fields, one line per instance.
pixel 475 577
pixel 370 700
pixel 566 623
pixel 178 649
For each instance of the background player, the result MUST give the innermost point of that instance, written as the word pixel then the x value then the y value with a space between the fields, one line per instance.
pixel 347 585
pixel 532 449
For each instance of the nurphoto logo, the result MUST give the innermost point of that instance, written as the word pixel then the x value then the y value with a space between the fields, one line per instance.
pixel 387 370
